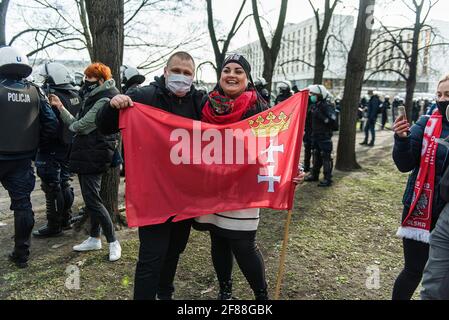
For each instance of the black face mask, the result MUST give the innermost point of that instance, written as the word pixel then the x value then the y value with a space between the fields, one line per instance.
pixel 89 86
pixel 442 106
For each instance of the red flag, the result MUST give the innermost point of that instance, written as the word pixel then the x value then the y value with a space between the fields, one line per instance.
pixel 185 168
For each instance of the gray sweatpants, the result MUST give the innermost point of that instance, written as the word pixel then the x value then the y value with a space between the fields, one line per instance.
pixel 436 273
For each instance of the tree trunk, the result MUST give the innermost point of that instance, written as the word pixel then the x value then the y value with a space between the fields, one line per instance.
pixel 320 46
pixel 319 68
pixel 355 70
pixel 3 10
pixel 413 65
pixel 107 29
pixel 270 54
pixel 219 59
pixel 220 54
pixel 268 70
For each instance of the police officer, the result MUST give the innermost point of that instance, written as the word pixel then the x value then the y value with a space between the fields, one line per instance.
pixel 52 164
pixel 362 112
pixel 323 123
pixel 338 110
pixel 386 105
pixel 373 111
pixel 26 123
pixel 307 138
pixel 285 91
pixel 131 78
pixel 394 108
pixel 415 110
pixel 260 85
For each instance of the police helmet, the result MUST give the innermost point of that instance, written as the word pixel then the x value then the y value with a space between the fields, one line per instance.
pixel 130 73
pixel 260 81
pixel 78 78
pixel 284 85
pixel 319 90
pixel 56 73
pixel 14 63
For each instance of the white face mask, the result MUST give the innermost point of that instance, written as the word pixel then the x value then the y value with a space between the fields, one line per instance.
pixel 179 84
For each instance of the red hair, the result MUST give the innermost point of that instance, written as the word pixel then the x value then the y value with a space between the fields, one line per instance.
pixel 98 70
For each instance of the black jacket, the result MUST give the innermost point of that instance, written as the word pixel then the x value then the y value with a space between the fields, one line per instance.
pixel 373 108
pixel 407 157
pixel 158 96
pixel 282 97
pixel 323 116
pixel 92 153
pixel 47 120
pixel 72 101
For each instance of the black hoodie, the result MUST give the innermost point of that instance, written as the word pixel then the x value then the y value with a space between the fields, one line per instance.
pixel 158 96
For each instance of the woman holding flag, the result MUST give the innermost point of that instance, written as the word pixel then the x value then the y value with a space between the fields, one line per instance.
pixel 417 150
pixel 233 233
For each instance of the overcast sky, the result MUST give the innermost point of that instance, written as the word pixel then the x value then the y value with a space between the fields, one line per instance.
pixel 392 12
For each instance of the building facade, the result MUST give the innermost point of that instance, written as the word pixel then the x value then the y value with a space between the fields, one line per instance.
pixel 297 56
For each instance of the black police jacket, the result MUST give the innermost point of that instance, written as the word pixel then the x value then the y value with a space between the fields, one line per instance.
pixel 48 123
pixel 323 116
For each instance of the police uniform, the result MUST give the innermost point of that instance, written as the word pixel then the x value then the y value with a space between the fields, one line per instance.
pixel 283 95
pixel 307 138
pixel 52 166
pixel 323 117
pixel 26 123
pixel 264 94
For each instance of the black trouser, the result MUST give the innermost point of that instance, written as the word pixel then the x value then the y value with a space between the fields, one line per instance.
pixel 160 248
pixel 53 169
pixel 416 254
pixel 370 126
pixel 247 254
pixel 322 156
pixel 384 117
pixel 17 177
pixel 307 150
pixel 99 216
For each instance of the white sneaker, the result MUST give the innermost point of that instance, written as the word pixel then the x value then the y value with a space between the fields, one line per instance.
pixel 88 245
pixel 115 251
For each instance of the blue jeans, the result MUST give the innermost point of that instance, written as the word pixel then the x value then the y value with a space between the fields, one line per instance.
pixel 436 273
pixel 17 177
pixel 370 126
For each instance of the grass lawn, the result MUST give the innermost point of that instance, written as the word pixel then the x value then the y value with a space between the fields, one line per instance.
pixel 337 236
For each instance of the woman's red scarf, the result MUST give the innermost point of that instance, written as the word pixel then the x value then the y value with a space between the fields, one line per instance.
pixel 417 224
pixel 220 109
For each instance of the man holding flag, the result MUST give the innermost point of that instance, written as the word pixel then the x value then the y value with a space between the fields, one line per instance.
pixel 160 244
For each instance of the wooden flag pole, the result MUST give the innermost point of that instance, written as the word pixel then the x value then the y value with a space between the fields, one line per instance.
pixel 283 255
